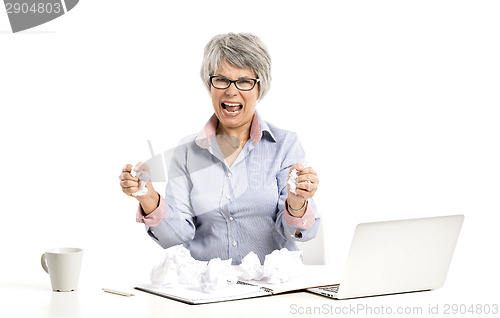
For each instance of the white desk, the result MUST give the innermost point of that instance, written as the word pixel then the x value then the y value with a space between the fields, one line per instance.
pixel 35 299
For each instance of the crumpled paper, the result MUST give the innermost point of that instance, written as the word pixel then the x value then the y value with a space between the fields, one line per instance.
pixel 144 177
pixel 250 267
pixel 292 180
pixel 179 267
pixel 217 275
pixel 282 265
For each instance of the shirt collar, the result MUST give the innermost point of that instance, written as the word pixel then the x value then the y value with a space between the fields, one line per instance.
pixel 257 129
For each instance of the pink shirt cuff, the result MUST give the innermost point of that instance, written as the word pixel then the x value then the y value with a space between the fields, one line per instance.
pixel 304 222
pixel 154 218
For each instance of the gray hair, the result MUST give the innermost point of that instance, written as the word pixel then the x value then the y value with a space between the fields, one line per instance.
pixel 241 50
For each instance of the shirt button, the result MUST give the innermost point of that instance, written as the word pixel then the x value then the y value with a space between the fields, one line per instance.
pixel 229 174
pixel 234 243
pixel 231 218
pixel 228 197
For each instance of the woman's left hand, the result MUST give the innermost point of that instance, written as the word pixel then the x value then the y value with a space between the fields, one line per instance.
pixel 307 184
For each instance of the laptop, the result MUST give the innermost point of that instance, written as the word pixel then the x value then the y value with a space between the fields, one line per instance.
pixel 397 257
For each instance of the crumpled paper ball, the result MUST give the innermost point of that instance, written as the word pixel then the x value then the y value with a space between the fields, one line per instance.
pixel 217 275
pixel 279 266
pixel 282 265
pixel 144 177
pixel 250 267
pixel 292 180
pixel 179 267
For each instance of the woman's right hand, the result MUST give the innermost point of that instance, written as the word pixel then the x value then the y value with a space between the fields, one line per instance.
pixel 129 185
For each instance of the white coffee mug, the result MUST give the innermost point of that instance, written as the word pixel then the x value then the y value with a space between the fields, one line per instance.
pixel 63 265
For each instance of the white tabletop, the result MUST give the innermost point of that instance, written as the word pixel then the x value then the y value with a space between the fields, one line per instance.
pixel 35 299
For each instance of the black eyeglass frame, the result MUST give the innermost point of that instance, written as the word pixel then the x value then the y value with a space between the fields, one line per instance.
pixel 255 81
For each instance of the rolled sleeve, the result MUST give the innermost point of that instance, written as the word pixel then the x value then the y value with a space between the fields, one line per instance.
pixel 154 218
pixel 292 228
pixel 301 229
pixel 305 222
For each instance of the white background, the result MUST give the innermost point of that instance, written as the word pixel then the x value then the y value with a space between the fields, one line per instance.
pixel 396 103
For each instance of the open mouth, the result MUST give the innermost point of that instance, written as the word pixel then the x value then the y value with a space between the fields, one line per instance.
pixel 231 109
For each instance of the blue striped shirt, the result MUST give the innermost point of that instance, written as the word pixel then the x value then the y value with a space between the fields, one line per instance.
pixel 217 210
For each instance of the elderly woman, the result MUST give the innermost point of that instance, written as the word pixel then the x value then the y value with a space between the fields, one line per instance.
pixel 227 193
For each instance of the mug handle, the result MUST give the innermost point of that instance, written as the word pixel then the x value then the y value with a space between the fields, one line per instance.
pixel 44 263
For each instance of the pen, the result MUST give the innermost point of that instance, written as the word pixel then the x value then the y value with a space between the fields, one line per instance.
pixel 116 292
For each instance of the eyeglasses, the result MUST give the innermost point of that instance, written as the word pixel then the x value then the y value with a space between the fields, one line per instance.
pixel 243 84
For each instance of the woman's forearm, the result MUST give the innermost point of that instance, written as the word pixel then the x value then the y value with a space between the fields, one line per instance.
pixel 149 202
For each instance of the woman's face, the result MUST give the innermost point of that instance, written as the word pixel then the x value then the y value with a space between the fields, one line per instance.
pixel 234 108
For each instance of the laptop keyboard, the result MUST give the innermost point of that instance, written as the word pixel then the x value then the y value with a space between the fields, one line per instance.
pixel 332 289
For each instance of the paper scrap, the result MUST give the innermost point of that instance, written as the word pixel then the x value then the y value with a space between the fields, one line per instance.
pixel 179 267
pixel 250 267
pixel 282 265
pixel 279 266
pixel 217 275
pixel 292 180
pixel 143 178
